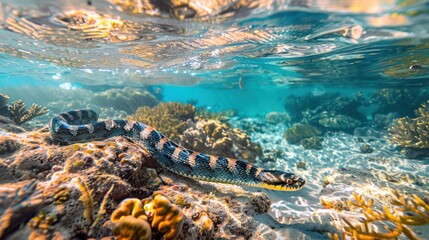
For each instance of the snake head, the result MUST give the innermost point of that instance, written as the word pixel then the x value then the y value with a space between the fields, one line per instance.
pixel 278 180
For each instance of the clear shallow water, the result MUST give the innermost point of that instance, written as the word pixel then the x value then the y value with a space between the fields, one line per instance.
pixel 253 57
pixel 265 43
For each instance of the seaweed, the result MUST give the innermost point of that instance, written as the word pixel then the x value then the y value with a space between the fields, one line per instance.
pixel 19 114
pixel 413 212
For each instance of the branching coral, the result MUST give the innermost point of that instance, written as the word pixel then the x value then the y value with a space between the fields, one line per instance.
pixel 168 118
pixel 413 133
pixel 413 212
pixel 164 216
pixel 19 113
pixel 130 222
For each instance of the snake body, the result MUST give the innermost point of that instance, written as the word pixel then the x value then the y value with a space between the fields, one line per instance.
pixel 83 125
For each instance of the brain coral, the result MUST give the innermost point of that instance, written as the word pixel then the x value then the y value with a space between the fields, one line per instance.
pixel 129 221
pixel 165 217
pixel 168 118
pixel 217 138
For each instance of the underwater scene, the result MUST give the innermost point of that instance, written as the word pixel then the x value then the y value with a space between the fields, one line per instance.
pixel 214 119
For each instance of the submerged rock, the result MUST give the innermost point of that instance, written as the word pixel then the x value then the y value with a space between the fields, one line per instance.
pixel 277 117
pixel 54 191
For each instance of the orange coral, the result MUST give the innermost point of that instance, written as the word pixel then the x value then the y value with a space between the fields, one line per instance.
pixel 166 217
pixel 401 224
pixel 129 222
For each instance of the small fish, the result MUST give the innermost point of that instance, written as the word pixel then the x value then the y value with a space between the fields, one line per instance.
pixel 415 67
pixel 240 82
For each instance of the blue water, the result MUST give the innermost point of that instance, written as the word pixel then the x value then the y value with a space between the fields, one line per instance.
pixel 305 58
pixel 265 44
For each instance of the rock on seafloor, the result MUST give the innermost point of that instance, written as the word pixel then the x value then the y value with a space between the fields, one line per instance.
pixel 64 192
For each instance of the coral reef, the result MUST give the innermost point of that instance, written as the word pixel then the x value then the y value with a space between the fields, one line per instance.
pixel 311 109
pixel 305 134
pixel 71 192
pixel 414 212
pixel 336 122
pixel 130 222
pixel 217 138
pixel 398 100
pixel 164 216
pixel 19 114
pixel 127 99
pixel 412 134
pixel 379 206
pixel 169 118
pixel 297 105
pixel 277 117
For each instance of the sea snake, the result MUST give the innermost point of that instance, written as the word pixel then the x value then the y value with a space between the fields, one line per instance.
pixel 81 126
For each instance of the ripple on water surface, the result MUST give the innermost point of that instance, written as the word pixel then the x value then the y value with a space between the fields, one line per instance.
pixel 187 42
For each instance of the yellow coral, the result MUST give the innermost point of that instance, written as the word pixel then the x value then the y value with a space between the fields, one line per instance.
pixel 217 138
pixel 20 114
pixel 166 217
pixel 414 211
pixel 129 221
pixel 414 132
pixel 168 118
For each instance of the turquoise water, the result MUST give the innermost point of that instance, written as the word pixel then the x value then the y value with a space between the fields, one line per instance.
pixel 350 68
